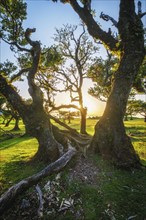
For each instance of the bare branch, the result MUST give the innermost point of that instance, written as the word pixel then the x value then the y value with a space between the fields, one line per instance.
pixel 28 32
pixel 16 44
pixel 139 7
pixel 62 72
pixel 34 90
pixel 65 106
pixel 140 14
pixel 107 18
pixel 93 28
pixel 143 14
pixel 63 124
pixel 19 74
pixel 11 95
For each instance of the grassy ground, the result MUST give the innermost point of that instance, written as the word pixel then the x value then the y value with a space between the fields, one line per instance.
pixel 136 129
pixel 119 195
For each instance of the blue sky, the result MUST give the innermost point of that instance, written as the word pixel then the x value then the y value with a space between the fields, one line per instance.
pixel 45 16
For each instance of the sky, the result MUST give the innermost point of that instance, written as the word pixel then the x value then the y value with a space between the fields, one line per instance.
pixel 45 16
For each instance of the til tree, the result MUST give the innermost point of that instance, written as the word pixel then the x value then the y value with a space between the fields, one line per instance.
pixel 78 52
pixel 110 139
pixel 37 122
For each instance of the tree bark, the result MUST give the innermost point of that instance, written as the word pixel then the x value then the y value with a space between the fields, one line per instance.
pixel 38 125
pixel 110 138
pixel 16 127
pixel 83 121
pixel 8 197
pixel 8 122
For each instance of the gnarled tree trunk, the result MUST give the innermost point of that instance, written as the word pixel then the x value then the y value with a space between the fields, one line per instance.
pixel 36 120
pixel 110 138
pixel 37 123
pixel 16 126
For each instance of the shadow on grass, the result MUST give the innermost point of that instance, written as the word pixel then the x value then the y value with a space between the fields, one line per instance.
pixel 13 141
pixel 15 171
pixel 134 128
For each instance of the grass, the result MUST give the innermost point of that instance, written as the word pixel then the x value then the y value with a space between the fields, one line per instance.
pixel 119 194
pixel 136 129
pixel 75 124
pixel 14 156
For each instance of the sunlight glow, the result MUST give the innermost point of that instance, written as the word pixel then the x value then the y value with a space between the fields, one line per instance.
pixel 94 107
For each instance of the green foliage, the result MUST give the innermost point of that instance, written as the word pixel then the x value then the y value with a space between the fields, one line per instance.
pixel 7 68
pixel 14 155
pixel 51 57
pixel 141 76
pixel 101 73
pixel 2 101
pixel 25 60
pixel 136 130
pixel 136 107
pixel 12 14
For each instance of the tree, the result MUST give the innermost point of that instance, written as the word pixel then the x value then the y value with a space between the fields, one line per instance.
pixel 138 107
pixel 77 51
pixel 7 110
pixel 10 114
pixel 110 139
pixel 37 122
pixel 101 73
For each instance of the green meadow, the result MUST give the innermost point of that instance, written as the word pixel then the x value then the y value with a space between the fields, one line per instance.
pixel 119 194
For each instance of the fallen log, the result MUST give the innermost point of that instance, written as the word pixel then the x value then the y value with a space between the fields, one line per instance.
pixel 9 196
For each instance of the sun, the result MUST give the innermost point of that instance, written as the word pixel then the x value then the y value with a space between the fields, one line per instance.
pixel 94 107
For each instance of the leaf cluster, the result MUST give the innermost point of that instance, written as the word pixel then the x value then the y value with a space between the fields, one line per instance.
pixel 136 107
pixel 12 14
pixel 101 73
pixel 7 68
